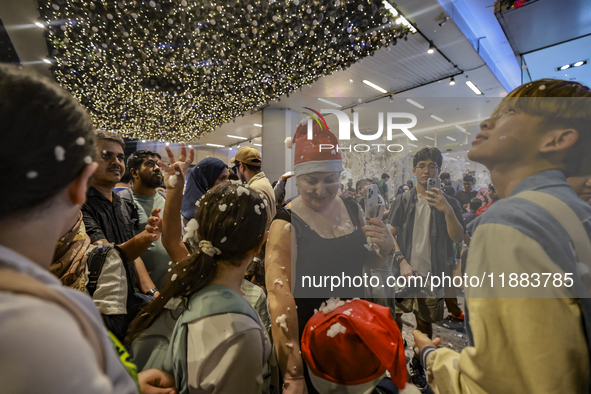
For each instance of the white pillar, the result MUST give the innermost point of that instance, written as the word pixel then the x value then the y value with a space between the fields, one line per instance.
pixel 278 124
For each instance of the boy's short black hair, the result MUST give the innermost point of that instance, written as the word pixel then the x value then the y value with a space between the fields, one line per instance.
pixel 102 135
pixel 361 182
pixel 35 108
pixel 426 154
pixel 127 177
pixel 384 176
pixel 138 157
pixel 469 178
pixel 475 203
pixel 444 175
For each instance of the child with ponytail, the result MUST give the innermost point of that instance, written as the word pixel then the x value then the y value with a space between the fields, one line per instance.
pixel 218 343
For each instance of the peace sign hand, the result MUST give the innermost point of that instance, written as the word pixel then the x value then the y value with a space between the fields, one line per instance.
pixel 175 172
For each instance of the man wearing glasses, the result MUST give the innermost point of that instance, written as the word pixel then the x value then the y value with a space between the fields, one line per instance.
pixel 425 226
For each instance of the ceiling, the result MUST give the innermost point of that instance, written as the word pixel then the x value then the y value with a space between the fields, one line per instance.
pixel 405 65
pixel 550 34
pixel 542 23
pixel 405 69
pixel 543 63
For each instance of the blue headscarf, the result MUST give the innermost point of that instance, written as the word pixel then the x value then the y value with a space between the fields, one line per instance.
pixel 199 180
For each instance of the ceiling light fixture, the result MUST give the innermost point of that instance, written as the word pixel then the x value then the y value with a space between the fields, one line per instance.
pixel 437 118
pixel 237 136
pixel 450 138
pixel 39 24
pixel 413 145
pixel 415 103
pixel 215 145
pixel 391 98
pixel 257 144
pixel 431 48
pixel 168 143
pixel 430 138
pixel 144 141
pixel 258 125
pixel 473 87
pixel 452 81
pixel 390 8
pixel 575 64
pixel 329 102
pixel 460 128
pixel 376 87
pixel 47 61
pixel 190 146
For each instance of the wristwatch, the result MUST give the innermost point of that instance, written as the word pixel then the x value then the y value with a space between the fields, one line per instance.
pixel 398 257
pixel 151 292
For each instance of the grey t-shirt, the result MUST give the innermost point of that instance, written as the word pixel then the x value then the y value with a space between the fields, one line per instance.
pixel 155 257
pixel 421 242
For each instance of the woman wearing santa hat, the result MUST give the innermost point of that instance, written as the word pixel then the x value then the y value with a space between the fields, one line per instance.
pixel 317 239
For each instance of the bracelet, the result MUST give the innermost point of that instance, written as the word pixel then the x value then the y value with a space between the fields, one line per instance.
pixel 152 291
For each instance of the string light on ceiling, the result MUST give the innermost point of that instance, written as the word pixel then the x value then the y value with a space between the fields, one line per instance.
pixel 172 70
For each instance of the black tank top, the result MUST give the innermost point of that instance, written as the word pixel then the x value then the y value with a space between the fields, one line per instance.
pixel 319 257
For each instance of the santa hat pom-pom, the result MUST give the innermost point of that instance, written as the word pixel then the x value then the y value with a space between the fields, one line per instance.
pixel 288 142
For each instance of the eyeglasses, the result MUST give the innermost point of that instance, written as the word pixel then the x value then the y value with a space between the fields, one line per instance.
pixel 430 167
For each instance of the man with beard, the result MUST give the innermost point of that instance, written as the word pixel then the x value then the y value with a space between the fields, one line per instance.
pixel 247 165
pixel 109 219
pixel 147 176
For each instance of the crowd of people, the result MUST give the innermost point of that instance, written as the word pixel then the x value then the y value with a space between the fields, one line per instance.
pixel 163 276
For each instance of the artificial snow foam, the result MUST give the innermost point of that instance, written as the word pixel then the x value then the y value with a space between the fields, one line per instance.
pixel 281 320
pixel 336 329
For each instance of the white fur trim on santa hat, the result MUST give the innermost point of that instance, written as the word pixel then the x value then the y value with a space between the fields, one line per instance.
pixel 325 386
pixel 308 167
pixel 288 143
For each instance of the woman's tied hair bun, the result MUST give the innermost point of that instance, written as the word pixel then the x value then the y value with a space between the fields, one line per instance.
pixel 233 218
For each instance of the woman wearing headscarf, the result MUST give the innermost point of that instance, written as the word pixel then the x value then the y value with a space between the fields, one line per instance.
pixel 328 236
pixel 208 173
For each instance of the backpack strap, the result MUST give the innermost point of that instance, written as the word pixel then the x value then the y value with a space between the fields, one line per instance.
pixel 567 219
pixel 125 194
pixel 96 260
pixel 20 283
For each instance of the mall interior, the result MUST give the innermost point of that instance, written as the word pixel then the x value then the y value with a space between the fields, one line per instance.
pixel 387 78
pixel 161 73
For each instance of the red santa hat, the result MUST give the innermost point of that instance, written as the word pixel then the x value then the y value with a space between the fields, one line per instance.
pixel 348 349
pixel 308 155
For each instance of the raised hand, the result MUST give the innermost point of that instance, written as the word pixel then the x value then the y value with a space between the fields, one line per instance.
pixel 175 172
pixel 154 225
pixel 436 199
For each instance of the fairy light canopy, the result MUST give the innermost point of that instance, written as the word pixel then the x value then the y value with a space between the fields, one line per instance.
pixel 172 70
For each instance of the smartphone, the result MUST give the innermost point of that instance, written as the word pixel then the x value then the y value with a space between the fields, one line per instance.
pixel 433 182
pixel 371 201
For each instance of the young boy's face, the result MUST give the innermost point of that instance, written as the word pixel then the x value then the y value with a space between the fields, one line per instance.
pixel 424 170
pixel 510 136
